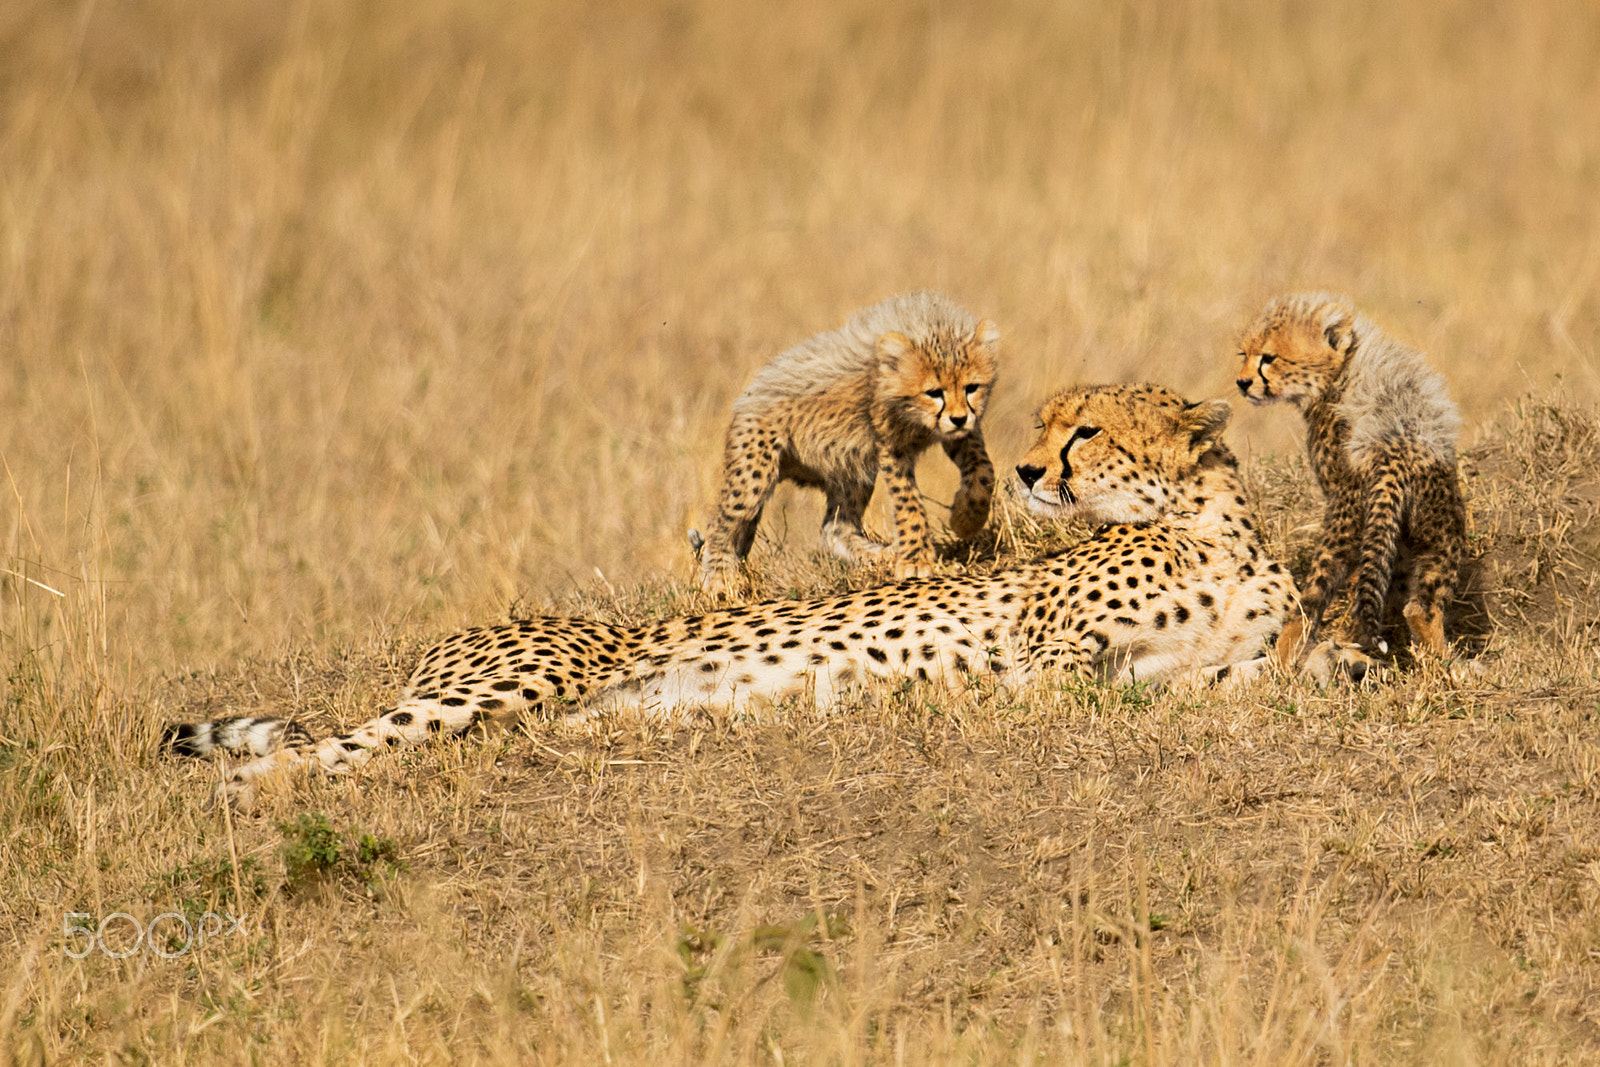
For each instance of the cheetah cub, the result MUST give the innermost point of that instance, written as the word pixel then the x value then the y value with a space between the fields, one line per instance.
pixel 1381 432
pixel 833 410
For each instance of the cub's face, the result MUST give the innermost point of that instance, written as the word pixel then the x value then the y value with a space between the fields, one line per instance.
pixel 943 387
pixel 1293 350
pixel 1112 454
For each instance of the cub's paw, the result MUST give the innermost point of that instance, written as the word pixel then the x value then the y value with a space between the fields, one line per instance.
pixel 723 583
pixel 969 513
pixel 915 567
pixel 1427 629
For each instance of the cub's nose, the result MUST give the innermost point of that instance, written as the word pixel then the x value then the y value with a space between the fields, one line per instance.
pixel 958 421
pixel 1244 385
pixel 1029 475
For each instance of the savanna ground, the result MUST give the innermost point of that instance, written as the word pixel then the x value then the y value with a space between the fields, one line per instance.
pixel 328 328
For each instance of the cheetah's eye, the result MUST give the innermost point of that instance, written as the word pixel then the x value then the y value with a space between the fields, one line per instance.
pixel 973 388
pixel 934 394
pixel 1082 433
pixel 1267 358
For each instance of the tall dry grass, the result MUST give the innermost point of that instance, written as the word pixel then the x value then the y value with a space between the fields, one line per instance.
pixel 329 327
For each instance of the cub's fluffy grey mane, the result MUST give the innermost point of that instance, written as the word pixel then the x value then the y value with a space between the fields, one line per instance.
pixel 1390 392
pixel 820 363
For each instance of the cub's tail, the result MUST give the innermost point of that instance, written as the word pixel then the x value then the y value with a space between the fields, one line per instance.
pixel 243 735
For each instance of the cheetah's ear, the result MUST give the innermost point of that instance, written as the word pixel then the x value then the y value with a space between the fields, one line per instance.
pixel 1336 322
pixel 1203 423
pixel 987 336
pixel 892 348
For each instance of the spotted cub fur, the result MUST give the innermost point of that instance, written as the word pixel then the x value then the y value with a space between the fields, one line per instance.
pixel 1381 433
pixel 833 410
pixel 1174 584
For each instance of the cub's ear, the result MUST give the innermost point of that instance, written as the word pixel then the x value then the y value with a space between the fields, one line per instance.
pixel 987 337
pixel 893 347
pixel 1336 319
pixel 1203 423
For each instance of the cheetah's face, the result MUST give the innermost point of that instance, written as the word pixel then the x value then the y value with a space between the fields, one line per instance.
pixel 1293 350
pixel 1113 454
pixel 944 390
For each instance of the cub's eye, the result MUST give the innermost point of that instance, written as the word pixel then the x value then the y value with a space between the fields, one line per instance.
pixel 934 394
pixel 1267 358
pixel 973 388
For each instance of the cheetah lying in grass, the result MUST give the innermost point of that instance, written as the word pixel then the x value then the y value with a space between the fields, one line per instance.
pixel 1176 585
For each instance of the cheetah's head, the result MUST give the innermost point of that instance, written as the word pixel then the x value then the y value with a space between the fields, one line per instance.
pixel 1115 453
pixel 1295 347
pixel 945 389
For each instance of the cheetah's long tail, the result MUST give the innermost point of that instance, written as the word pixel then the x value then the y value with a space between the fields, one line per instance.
pixel 243 735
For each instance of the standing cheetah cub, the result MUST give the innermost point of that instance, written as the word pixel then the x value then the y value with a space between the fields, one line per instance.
pixel 833 410
pixel 1381 432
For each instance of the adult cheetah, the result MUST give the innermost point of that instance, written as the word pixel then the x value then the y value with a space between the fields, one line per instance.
pixel 1175 584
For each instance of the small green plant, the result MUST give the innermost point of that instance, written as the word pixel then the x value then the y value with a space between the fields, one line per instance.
pixel 314 851
pixel 311 848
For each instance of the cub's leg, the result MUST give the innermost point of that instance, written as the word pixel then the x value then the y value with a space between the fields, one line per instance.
pixel 750 471
pixel 912 551
pixel 1336 555
pixel 1438 525
pixel 969 511
pixel 1380 540
pixel 842 531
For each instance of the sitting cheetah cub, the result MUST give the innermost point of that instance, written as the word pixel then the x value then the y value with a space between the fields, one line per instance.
pixel 1175 585
pixel 1381 432
pixel 833 410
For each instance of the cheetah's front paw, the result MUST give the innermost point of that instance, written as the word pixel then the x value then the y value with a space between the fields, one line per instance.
pixel 1330 660
pixel 238 793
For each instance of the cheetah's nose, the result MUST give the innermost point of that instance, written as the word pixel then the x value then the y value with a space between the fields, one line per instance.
pixel 1244 385
pixel 1029 475
pixel 958 421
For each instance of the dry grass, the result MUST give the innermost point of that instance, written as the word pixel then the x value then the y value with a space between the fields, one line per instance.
pixel 323 331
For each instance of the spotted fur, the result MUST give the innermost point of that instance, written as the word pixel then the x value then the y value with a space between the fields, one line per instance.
pixel 1176 585
pixel 834 410
pixel 1381 432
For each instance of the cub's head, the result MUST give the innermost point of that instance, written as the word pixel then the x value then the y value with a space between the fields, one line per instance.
pixel 943 381
pixel 1115 453
pixel 1295 347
